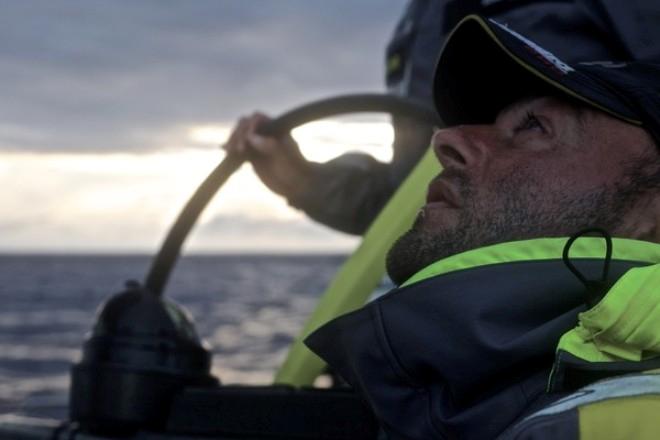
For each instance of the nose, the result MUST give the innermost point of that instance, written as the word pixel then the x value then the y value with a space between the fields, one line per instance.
pixel 459 147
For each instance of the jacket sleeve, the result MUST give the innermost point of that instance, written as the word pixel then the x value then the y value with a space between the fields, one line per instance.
pixel 346 193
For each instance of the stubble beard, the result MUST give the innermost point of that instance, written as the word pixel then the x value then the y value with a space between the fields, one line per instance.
pixel 515 208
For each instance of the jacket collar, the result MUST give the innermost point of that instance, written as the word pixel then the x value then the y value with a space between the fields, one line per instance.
pixel 538 250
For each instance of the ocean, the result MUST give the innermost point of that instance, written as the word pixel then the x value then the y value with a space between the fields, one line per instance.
pixel 247 307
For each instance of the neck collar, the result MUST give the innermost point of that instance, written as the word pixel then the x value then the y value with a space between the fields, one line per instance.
pixel 538 249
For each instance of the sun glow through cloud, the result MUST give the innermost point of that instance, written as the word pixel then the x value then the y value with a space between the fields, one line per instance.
pixel 126 202
pixel 210 134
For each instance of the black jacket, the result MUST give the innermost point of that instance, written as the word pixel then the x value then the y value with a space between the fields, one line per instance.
pixel 468 352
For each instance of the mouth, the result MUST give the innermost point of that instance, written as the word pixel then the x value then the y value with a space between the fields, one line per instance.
pixel 442 193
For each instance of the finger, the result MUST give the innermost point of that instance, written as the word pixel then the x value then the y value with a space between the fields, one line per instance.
pixel 263 145
pixel 260 118
pixel 230 143
pixel 256 121
pixel 237 140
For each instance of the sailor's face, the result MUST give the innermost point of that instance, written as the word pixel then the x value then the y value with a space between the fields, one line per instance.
pixel 537 158
pixel 544 168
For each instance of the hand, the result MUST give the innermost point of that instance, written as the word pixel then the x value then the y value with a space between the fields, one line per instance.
pixel 276 160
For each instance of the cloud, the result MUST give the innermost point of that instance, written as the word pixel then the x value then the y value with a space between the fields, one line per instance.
pixel 91 75
pixel 68 202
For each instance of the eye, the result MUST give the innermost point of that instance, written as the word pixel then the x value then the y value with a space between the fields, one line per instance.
pixel 529 122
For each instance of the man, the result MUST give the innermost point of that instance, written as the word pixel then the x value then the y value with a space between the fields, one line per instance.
pixel 480 338
pixel 347 192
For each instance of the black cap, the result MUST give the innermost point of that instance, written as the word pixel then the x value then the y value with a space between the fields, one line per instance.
pixel 485 66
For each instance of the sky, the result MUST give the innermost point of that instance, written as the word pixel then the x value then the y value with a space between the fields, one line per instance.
pixel 112 113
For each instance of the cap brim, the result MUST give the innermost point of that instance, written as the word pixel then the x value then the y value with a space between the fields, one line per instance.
pixel 484 66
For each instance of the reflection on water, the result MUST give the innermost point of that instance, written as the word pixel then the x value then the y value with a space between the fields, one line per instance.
pixel 248 308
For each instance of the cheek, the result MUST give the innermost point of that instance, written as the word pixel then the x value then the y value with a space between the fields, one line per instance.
pixel 593 172
pixel 537 180
pixel 554 172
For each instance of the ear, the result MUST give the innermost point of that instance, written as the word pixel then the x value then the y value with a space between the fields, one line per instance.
pixel 643 221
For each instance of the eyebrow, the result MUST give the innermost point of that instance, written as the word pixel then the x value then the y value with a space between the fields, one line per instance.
pixel 579 111
pixel 515 106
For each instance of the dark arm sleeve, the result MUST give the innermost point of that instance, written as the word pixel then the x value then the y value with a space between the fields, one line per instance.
pixel 346 193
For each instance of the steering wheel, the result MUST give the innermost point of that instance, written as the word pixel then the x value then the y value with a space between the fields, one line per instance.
pixel 165 259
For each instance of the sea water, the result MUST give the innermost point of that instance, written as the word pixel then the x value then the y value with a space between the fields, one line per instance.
pixel 248 307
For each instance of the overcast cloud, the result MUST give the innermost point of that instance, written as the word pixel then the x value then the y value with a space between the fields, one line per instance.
pixel 103 100
pixel 93 75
